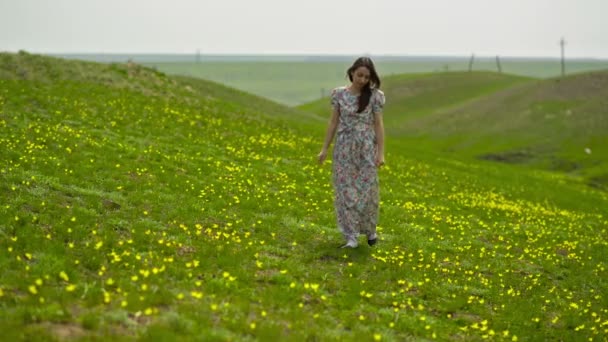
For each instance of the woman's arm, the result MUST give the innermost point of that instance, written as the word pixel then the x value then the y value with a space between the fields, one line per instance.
pixel 329 135
pixel 379 128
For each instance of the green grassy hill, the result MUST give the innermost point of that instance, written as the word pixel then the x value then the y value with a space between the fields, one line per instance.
pixel 137 205
pixel 413 96
pixel 557 124
pixel 134 77
pixel 298 80
pixel 550 123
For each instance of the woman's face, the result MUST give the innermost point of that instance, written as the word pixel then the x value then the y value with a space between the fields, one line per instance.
pixel 360 77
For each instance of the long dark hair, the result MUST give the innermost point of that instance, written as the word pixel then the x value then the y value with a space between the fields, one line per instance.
pixel 374 80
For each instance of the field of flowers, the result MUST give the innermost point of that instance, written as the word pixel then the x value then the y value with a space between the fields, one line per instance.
pixel 134 205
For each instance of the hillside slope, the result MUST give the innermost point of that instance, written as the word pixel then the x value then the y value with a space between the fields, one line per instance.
pixel 134 77
pixel 555 124
pixel 412 96
pixel 136 208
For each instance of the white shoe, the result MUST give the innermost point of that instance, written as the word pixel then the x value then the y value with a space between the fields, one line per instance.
pixel 350 244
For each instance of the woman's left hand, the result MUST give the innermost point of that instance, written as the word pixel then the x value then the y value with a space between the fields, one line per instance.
pixel 379 161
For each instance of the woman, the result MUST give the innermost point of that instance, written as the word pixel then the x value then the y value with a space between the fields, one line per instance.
pixel 358 151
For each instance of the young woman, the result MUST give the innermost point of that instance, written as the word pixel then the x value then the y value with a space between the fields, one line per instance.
pixel 358 151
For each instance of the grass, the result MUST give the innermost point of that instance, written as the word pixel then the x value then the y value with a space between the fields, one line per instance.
pixel 173 210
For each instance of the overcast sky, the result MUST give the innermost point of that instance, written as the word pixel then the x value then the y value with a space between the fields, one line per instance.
pixel 376 27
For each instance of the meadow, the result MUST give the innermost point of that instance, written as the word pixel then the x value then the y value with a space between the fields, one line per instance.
pixel 138 205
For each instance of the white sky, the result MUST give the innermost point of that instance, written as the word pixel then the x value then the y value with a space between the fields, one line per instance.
pixel 376 27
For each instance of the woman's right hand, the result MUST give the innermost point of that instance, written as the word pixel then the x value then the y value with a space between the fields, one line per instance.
pixel 322 156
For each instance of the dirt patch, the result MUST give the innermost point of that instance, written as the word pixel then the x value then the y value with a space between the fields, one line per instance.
pixel 185 250
pixel 599 182
pixel 64 331
pixel 327 257
pixel 510 157
pixel 564 165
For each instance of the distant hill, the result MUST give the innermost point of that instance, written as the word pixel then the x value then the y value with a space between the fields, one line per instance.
pixel 298 80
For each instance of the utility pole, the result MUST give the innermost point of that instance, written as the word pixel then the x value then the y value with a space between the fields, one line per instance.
pixel 562 43
pixel 471 62
pixel 498 64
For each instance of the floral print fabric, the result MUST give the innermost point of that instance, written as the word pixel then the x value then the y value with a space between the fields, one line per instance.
pixel 355 175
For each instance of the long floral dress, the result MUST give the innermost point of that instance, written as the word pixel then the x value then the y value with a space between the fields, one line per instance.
pixel 355 175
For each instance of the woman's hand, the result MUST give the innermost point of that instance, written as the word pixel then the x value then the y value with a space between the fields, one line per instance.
pixel 379 160
pixel 322 156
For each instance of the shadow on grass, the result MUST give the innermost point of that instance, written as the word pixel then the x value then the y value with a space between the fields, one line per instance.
pixel 330 251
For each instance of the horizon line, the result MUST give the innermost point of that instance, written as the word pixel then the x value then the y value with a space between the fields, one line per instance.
pixel 302 54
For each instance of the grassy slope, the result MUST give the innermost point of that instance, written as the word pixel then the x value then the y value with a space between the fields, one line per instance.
pixel 548 123
pixel 412 96
pixel 557 117
pixel 141 207
pixel 134 77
